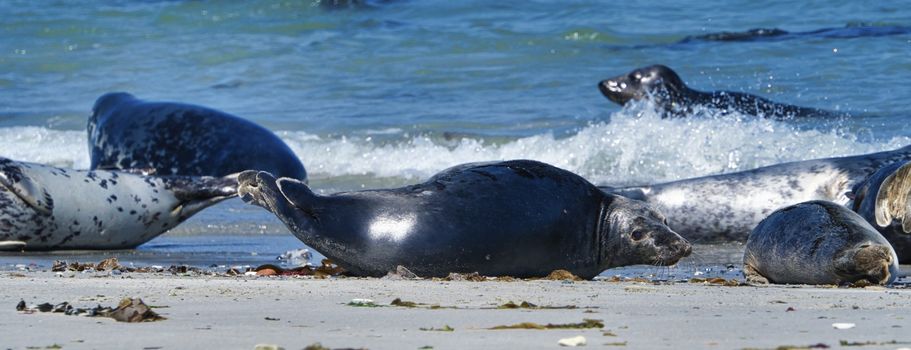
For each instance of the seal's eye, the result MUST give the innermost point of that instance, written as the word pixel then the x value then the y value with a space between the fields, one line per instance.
pixel 637 235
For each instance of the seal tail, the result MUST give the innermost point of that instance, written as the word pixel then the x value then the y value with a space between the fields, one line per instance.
pixel 892 200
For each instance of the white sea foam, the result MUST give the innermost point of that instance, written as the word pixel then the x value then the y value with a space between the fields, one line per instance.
pixel 635 146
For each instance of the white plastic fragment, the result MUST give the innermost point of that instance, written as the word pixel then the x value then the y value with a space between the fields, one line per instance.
pixel 573 341
pixel 361 302
pixel 843 325
pixel 250 273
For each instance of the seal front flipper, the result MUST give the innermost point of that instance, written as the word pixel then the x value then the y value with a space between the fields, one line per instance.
pixel 892 199
pixel 25 187
pixel 11 246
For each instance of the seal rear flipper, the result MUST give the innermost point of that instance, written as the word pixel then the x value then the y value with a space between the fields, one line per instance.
pixel 11 246
pixel 892 200
pixel 297 193
pixel 198 193
pixel 753 276
pixel 27 189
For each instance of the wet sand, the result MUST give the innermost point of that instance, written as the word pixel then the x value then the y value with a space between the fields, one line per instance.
pixel 240 312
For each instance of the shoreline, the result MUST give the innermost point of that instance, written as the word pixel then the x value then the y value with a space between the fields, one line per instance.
pixel 240 312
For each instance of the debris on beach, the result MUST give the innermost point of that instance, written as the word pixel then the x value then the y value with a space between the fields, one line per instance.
pixel 360 302
pixel 586 323
pixel 318 346
pixel 445 328
pixel 296 258
pixel 572 341
pixel 402 303
pixel 843 325
pixel 562 275
pixel 129 310
pixel 718 281
pixel 326 269
pixel 527 305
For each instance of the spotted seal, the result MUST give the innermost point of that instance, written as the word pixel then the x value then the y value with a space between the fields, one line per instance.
pixel 726 207
pixel 883 199
pixel 182 139
pixel 44 207
pixel 519 218
pixel 674 99
pixel 818 242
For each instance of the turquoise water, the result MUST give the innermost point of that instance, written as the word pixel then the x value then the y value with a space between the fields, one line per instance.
pixel 389 93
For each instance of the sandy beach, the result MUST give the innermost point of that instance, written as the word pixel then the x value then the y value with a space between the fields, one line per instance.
pixel 217 312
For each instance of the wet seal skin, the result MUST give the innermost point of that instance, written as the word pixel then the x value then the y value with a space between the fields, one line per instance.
pixel 849 31
pixel 44 207
pixel 726 207
pixel 818 242
pixel 182 139
pixel 518 218
pixel 674 99
pixel 883 200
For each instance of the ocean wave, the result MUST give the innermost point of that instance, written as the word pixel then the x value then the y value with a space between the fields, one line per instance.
pixel 634 146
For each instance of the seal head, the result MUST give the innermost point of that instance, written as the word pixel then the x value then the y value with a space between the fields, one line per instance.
pixel 657 82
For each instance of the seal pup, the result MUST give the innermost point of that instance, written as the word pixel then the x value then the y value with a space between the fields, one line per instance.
pixel 674 99
pixel 182 139
pixel 818 242
pixel 518 218
pixel 726 207
pixel 44 207
pixel 883 200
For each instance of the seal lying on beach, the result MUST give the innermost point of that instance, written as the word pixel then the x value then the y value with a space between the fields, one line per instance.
pixel 519 218
pixel 182 139
pixel 44 207
pixel 726 207
pixel 818 242
pixel 665 88
pixel 883 200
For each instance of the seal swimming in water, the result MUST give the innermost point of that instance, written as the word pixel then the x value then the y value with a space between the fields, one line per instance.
pixel 818 242
pixel 775 34
pixel 519 218
pixel 44 207
pixel 883 200
pixel 726 207
pixel 674 99
pixel 182 139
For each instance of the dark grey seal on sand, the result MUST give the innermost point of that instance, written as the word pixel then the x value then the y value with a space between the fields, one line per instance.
pixel 818 242
pixel 44 207
pixel 518 218
pixel 663 86
pixel 182 139
pixel 883 199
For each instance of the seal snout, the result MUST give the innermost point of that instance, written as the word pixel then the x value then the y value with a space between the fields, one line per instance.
pixel 613 89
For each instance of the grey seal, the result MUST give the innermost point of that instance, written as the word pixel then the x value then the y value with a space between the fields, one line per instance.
pixel 182 139
pixel 44 207
pixel 726 207
pixel 519 218
pixel 675 99
pixel 818 242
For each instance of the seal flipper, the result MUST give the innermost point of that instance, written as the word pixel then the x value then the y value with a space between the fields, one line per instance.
pixel 26 188
pixel 198 193
pixel 892 200
pixel 753 276
pixel 11 246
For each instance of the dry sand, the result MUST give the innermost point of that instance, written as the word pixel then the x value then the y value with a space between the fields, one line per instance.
pixel 231 313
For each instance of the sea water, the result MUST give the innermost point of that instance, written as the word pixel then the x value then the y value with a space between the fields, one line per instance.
pixel 387 93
